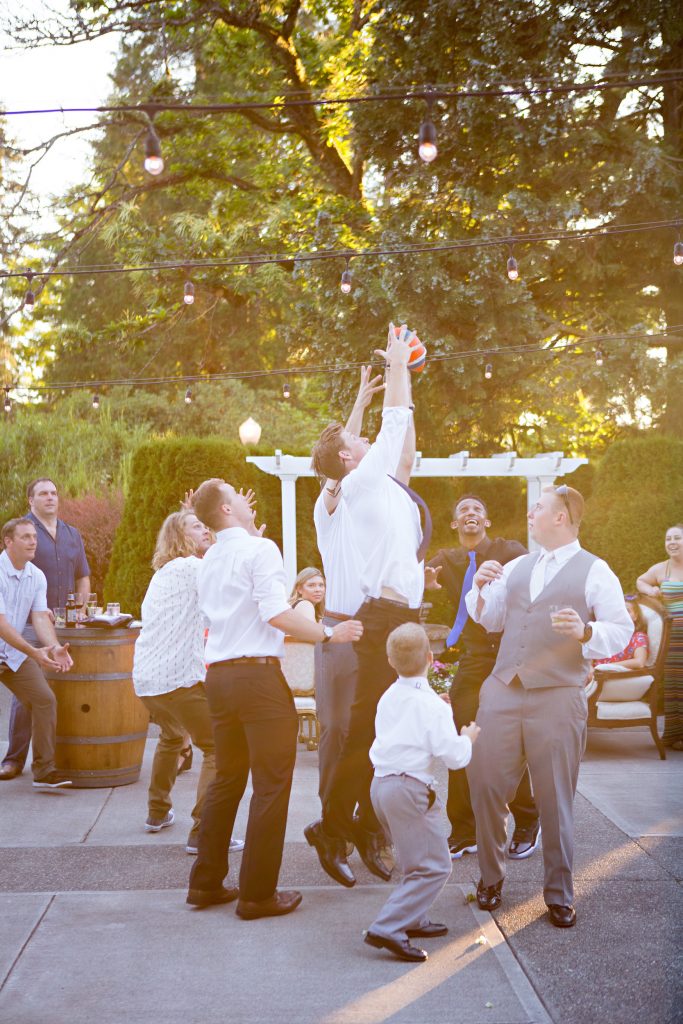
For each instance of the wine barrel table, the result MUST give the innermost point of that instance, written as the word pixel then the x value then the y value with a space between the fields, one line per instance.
pixel 101 724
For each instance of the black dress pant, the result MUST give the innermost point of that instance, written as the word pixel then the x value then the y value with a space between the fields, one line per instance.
pixel 473 669
pixel 255 728
pixel 353 772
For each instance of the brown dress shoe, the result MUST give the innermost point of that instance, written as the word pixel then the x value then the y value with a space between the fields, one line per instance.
pixel 275 906
pixel 209 897
pixel 9 770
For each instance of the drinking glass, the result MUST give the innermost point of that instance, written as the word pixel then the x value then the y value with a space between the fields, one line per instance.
pixel 113 608
pixel 92 603
pixel 60 617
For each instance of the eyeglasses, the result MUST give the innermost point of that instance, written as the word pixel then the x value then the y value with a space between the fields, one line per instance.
pixel 563 492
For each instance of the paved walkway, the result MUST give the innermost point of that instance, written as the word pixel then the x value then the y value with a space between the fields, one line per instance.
pixel 95 928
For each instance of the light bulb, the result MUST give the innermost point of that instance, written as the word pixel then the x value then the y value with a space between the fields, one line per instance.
pixel 188 396
pixel 188 296
pixel 8 401
pixel 599 358
pixel 286 393
pixel 154 163
pixel 513 272
pixel 678 253
pixel 95 401
pixel 250 431
pixel 346 281
pixel 427 142
pixel 29 301
pixel 488 372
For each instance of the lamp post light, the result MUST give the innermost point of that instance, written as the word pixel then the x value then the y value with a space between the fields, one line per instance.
pixel 250 431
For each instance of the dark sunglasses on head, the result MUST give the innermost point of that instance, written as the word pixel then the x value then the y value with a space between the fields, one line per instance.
pixel 563 492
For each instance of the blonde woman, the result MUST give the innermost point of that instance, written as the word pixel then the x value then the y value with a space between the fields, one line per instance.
pixel 308 593
pixel 169 669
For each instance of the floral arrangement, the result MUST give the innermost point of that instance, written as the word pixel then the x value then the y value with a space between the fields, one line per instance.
pixel 441 675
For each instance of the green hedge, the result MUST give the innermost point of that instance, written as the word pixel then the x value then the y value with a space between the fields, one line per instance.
pixel 637 494
pixel 161 472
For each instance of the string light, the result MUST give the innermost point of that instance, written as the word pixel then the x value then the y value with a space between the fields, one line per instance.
pixel 154 163
pixel 96 401
pixel 599 358
pixel 188 295
pixel 678 253
pixel 427 136
pixel 8 401
pixel 346 278
pixel 29 297
pixel 188 396
pixel 488 371
pixel 286 390
pixel 512 268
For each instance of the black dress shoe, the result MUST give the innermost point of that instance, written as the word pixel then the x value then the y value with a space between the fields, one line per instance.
pixel 210 897
pixel 524 842
pixel 369 846
pixel 488 896
pixel 431 930
pixel 275 906
pixel 561 916
pixel 331 854
pixel 403 949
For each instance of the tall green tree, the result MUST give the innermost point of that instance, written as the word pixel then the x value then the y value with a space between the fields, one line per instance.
pixel 308 177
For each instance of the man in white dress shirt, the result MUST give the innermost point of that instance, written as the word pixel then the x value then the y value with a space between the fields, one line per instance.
pixel 558 609
pixel 389 541
pixel 336 666
pixel 243 595
pixel 413 727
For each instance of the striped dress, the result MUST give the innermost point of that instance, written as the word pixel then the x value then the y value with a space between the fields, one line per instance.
pixel 672 595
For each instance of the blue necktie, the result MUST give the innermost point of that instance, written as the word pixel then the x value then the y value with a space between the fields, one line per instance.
pixel 427 528
pixel 461 617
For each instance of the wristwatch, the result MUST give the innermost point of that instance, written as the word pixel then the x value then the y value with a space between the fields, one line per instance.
pixel 587 633
pixel 327 634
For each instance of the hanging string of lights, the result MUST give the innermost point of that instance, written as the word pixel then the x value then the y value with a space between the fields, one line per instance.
pixel 542 348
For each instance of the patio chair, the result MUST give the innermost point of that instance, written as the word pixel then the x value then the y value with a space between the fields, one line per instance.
pixel 620 698
pixel 299 671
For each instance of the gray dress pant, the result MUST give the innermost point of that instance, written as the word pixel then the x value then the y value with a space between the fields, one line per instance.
pixel 411 816
pixel 546 729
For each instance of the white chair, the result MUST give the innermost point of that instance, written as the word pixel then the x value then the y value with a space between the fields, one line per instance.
pixel 299 671
pixel 620 698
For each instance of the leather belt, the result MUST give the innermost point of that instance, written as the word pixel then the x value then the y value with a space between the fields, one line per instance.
pixel 336 615
pixel 388 600
pixel 247 661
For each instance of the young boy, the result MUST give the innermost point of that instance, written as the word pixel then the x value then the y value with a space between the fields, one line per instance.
pixel 413 725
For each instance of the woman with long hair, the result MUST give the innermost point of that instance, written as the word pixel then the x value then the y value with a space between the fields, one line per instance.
pixel 308 593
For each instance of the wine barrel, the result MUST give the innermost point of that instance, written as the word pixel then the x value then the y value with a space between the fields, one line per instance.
pixel 101 724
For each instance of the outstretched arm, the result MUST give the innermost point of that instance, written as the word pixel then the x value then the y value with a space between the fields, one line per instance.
pixel 368 387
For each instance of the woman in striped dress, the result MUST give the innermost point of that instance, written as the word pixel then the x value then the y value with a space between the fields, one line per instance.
pixel 665 580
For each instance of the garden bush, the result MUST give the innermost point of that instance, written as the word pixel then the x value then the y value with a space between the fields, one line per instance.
pixel 97 516
pixel 637 494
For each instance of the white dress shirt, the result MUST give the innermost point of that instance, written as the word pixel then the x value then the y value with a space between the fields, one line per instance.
pixel 385 520
pixel 412 727
pixel 242 585
pixel 612 628
pixel 169 652
pixel 22 591
pixel 341 560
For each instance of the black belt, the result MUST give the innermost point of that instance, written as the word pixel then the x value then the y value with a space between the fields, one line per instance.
pixel 388 600
pixel 246 661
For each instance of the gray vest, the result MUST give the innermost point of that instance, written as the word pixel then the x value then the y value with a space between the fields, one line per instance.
pixel 530 648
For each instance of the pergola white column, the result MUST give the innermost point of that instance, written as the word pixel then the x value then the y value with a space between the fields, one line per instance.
pixel 540 471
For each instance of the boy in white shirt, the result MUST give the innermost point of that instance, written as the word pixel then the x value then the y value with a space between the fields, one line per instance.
pixel 413 726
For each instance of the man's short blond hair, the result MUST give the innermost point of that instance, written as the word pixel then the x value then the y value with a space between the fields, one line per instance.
pixel 408 649
pixel 569 500
pixel 325 455
pixel 207 501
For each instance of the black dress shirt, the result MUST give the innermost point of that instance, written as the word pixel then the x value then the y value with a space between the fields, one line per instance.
pixel 454 562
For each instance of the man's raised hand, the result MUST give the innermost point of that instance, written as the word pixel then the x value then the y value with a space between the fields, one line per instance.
pixel 369 386
pixel 398 349
pixel 432 577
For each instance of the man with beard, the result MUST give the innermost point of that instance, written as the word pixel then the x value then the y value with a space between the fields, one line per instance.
pixel 456 567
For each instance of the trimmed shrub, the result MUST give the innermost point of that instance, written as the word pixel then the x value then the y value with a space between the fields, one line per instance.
pixel 637 495
pixel 161 472
pixel 97 517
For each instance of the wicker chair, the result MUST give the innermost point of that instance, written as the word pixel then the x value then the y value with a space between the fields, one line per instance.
pixel 620 698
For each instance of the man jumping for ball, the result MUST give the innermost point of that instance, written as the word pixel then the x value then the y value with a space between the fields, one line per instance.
pixel 372 482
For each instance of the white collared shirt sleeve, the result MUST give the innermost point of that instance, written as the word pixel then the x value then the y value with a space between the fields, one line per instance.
pixel 40 597
pixel 269 581
pixel 384 455
pixel 612 628
pixel 455 751
pixel 494 596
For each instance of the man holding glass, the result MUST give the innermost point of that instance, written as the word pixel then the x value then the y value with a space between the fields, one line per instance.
pixel 533 708
pixel 60 555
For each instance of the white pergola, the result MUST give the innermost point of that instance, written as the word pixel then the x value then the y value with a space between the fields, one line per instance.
pixel 539 472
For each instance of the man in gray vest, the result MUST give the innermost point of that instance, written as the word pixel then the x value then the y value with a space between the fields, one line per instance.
pixel 558 608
